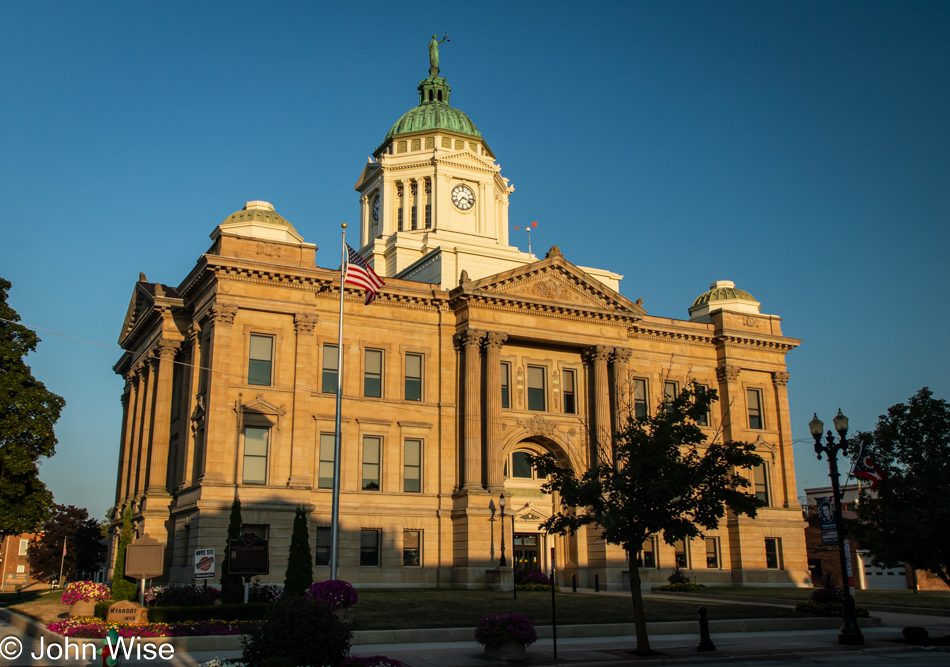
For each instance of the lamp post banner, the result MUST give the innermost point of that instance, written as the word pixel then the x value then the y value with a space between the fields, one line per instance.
pixel 827 521
pixel 847 559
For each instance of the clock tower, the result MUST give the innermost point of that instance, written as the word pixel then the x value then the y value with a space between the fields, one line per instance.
pixel 433 202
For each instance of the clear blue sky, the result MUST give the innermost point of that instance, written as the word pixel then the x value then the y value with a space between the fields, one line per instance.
pixel 801 149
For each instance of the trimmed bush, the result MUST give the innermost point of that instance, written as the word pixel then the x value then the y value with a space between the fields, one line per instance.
pixel 299 562
pixel 307 633
pixel 828 609
pixel 496 629
pixel 232 585
pixel 915 634
pixel 123 588
pixel 680 588
pixel 182 595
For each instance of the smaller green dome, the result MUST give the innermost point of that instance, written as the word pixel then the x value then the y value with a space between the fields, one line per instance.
pixel 723 290
pixel 257 211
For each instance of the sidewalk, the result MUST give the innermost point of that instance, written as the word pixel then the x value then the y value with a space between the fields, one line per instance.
pixel 768 647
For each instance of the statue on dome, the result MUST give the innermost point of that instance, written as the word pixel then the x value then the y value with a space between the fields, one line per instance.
pixel 434 52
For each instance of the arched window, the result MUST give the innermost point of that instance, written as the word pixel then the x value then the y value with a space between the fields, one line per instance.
pixel 520 467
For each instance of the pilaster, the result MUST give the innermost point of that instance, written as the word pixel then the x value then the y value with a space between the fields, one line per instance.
pixel 158 466
pixel 779 385
pixel 125 440
pixel 470 343
pixel 145 438
pixel 493 343
pixel 189 434
pixel 601 433
pixel 622 403
pixel 302 440
pixel 219 440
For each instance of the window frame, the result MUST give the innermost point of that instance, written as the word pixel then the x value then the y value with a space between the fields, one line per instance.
pixel 363 547
pixel 762 468
pixel 270 362
pixel 777 543
pixel 506 385
pixel 667 399
pixel 681 555
pixel 378 463
pixel 321 461
pixel 759 409
pixel 407 378
pixel 244 453
pixel 565 393
pixel 24 547
pixel 511 463
pixel 716 554
pixel 326 372
pixel 407 466
pixel 653 554
pixel 418 548
pixel 642 402
pixel 537 392
pixel 367 376
pixel 701 389
pixel 328 547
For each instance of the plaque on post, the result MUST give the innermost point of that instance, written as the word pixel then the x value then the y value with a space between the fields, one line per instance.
pixel 248 556
pixel 145 558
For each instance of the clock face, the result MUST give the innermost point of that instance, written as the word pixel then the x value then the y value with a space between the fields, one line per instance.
pixel 376 209
pixel 463 197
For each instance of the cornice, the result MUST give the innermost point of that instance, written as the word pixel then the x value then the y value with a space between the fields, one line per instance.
pixel 501 303
pixel 770 343
pixel 677 335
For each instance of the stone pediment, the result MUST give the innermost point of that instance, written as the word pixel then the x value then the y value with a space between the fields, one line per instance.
pixel 145 297
pixel 467 159
pixel 552 281
pixel 369 172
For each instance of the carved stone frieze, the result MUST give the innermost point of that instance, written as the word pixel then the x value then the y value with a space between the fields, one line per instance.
pixel 780 378
pixel 304 323
pixel 551 287
pixel 728 373
pixel 223 313
pixel 538 425
pixel 519 384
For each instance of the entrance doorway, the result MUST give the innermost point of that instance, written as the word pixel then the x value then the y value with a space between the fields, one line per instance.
pixel 527 554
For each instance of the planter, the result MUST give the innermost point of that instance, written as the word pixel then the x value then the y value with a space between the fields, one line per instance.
pixel 82 609
pixel 510 650
pixel 344 613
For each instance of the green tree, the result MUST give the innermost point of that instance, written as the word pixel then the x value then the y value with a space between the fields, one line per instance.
pixel 123 588
pixel 84 547
pixel 299 569
pixel 662 477
pixel 231 584
pixel 906 520
pixel 27 414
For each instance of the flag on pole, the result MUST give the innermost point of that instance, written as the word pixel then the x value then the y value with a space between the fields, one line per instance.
pixel 64 546
pixel 867 468
pixel 357 272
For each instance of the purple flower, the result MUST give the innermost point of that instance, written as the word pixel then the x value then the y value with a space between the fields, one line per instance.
pixel 335 594
pixel 496 629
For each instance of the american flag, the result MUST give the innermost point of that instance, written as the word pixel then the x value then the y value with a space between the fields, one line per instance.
pixel 357 272
pixel 867 469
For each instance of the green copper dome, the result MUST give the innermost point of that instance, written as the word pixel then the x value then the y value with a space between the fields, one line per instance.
pixel 434 116
pixel 722 290
pixel 257 211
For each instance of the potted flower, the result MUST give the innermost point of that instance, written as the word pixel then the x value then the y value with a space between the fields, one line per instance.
pixel 82 596
pixel 505 636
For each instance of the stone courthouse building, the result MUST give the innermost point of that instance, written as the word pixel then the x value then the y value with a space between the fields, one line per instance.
pixel 474 355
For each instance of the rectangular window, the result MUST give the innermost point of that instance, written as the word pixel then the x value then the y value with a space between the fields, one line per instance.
pixel 773 553
pixel 331 360
pixel 373 374
pixel 24 545
pixel 371 463
pixel 412 467
pixel 670 390
pixel 648 553
pixel 21 569
pixel 413 377
pixel 712 553
pixel 536 388
pixel 412 548
pixel 399 218
pixel 505 384
pixel 570 395
pixel 639 398
pixel 754 400
pixel 323 546
pixel 428 216
pixel 760 475
pixel 414 217
pixel 325 472
pixel 255 455
pixel 369 547
pixel 261 356
pixel 682 556
pixel 701 390
pixel 259 530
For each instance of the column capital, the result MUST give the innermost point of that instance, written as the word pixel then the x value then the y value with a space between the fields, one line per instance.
pixel 780 378
pixel 304 323
pixel 167 349
pixel 597 353
pixel 223 313
pixel 494 340
pixel 468 339
pixel 622 355
pixel 194 333
pixel 728 373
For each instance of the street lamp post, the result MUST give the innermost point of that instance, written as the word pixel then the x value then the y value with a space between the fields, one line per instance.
pixel 850 632
pixel 491 522
pixel 501 502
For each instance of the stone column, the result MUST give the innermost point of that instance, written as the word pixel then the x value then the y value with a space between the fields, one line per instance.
pixel 365 216
pixel 301 445
pixel 493 343
pixel 131 463
pixel 188 432
pixel 470 342
pixel 406 198
pixel 601 434
pixel 158 467
pixel 787 479
pixel 729 399
pixel 124 441
pixel 622 391
pixel 219 441
pixel 145 426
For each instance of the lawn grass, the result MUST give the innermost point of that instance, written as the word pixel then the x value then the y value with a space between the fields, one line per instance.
pixel 45 606
pixel 392 609
pixel 922 599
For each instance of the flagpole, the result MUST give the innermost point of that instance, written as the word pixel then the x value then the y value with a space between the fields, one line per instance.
pixel 335 520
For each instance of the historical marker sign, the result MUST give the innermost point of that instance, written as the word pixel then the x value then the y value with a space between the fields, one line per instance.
pixel 145 558
pixel 248 557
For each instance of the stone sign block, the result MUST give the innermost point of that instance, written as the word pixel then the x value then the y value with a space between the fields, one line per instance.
pixel 127 612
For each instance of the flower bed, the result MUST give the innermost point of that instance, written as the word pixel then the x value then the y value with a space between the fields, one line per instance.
pixel 680 588
pixel 335 594
pixel 96 628
pixel 496 629
pixel 85 591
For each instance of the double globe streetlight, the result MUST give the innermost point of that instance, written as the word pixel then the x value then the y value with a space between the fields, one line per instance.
pixel 850 632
